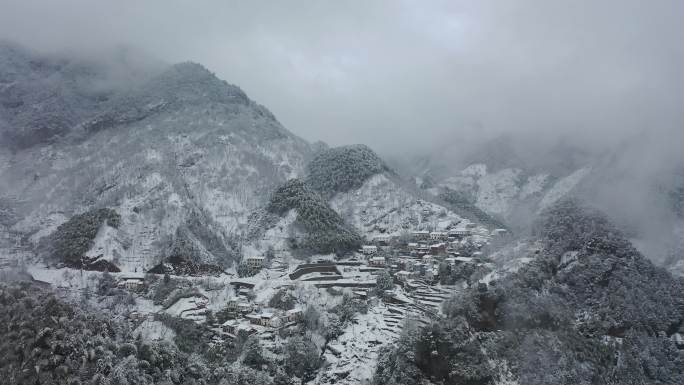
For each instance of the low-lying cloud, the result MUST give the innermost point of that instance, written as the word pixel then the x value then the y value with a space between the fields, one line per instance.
pixel 404 76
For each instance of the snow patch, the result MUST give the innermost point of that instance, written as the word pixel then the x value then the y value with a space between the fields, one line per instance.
pixel 563 187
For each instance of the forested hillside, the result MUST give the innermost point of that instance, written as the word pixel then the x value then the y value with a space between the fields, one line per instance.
pixel 343 168
pixel 47 341
pixel 325 231
pixel 589 309
pixel 72 239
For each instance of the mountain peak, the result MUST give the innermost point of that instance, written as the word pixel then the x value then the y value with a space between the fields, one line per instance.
pixel 343 168
pixel 190 73
pixel 192 82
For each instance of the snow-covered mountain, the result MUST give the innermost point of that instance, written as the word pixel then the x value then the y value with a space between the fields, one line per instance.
pixel 348 193
pixel 505 192
pixel 501 177
pixel 514 183
pixel 175 167
pixel 189 166
pixel 183 158
pixel 383 206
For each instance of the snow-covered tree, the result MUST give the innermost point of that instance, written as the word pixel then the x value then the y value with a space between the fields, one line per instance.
pixel 384 281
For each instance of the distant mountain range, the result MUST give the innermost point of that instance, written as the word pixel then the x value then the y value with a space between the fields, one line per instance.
pixel 640 189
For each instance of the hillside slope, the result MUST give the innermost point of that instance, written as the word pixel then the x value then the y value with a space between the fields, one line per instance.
pixel 347 194
pixel 588 309
pixel 183 158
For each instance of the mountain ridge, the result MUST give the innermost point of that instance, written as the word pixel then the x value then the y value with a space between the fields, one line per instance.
pixel 182 142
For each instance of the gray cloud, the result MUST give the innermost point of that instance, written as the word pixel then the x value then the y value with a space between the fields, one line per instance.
pixel 404 75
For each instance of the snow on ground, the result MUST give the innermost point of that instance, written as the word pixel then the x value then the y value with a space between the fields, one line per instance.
pixel 267 285
pixel 192 308
pixel 71 279
pixel 510 259
pixel 352 357
pixel 40 227
pixel 500 192
pixel 496 191
pixel 151 330
pixel 276 238
pixel 380 206
pixel 108 245
pixel 146 306
pixel 563 187
pixel 534 185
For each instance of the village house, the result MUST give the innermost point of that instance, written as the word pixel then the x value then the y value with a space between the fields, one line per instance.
pixel 418 268
pixel 438 248
pixel 245 307
pixel 132 281
pixel 405 262
pixel 463 260
pixel 428 259
pixel 438 236
pixel 499 232
pixel 421 235
pixel 232 305
pixel 230 326
pixel 459 233
pixel 377 262
pixel 294 315
pixel 403 275
pixel 253 318
pixel 254 263
pixel 246 329
pixel 269 319
pixel 422 249
pixel 369 249
pixel 412 246
pixel 382 240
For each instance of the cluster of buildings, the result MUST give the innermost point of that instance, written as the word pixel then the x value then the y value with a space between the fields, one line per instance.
pixel 408 268
pixel 424 242
pixel 261 322
pixel 419 256
pixel 253 264
pixel 249 318
pixel 413 259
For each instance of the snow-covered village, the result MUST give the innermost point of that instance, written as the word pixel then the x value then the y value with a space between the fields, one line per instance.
pixel 341 192
pixel 351 306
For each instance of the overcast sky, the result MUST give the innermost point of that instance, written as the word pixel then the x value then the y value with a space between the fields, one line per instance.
pixel 403 74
